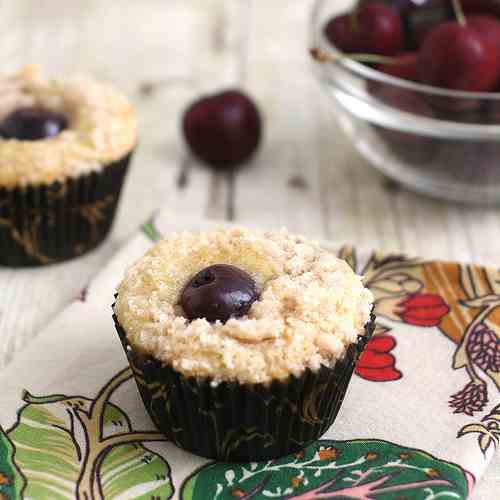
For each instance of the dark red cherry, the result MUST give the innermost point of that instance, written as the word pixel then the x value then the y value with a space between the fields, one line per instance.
pixel 341 33
pixel 381 30
pixel 32 124
pixel 373 29
pixel 488 27
pixel 457 57
pixel 218 293
pixel 223 130
pixel 418 16
pixel 405 67
pixel 481 6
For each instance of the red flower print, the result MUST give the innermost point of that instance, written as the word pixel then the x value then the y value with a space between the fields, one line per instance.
pixel 423 309
pixel 376 363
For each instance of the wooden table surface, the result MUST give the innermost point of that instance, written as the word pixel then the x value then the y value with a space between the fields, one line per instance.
pixel 306 177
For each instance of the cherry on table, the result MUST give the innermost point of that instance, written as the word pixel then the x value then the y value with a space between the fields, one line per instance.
pixel 457 57
pixel 223 130
pixel 218 293
pixel 32 124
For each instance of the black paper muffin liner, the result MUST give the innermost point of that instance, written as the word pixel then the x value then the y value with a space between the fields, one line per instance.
pixel 45 224
pixel 239 423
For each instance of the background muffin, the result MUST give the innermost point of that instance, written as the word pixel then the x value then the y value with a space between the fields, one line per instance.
pixel 266 372
pixel 65 146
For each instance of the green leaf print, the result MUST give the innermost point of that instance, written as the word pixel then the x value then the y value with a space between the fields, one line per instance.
pixel 359 469
pixel 74 446
pixel 151 231
pixel 11 480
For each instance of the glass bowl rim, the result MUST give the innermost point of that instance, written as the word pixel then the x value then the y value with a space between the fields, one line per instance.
pixel 369 73
pixel 318 40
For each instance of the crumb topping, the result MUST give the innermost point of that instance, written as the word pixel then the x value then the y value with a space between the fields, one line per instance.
pixel 102 128
pixel 312 306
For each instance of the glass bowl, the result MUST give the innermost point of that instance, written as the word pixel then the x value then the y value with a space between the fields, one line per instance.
pixel 442 143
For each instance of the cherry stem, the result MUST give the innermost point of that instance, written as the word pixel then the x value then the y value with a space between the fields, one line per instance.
pixel 459 12
pixel 322 56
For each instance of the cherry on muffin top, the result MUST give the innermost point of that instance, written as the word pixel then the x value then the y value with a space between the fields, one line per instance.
pixel 32 124
pixel 54 129
pixel 218 293
pixel 275 305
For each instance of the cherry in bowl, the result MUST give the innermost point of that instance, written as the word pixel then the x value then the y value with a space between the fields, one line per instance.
pixel 372 29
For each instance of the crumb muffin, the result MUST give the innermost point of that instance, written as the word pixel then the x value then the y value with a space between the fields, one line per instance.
pixel 242 343
pixel 65 146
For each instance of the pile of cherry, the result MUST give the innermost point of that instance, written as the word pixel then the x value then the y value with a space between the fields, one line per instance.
pixel 447 44
pixel 451 44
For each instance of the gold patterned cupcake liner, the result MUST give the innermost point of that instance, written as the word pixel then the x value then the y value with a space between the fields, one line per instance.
pixel 240 423
pixel 46 224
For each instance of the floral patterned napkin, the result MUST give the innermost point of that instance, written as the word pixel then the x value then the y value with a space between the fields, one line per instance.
pixel 421 419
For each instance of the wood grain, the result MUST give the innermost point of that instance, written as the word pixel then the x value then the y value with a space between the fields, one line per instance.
pixel 307 176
